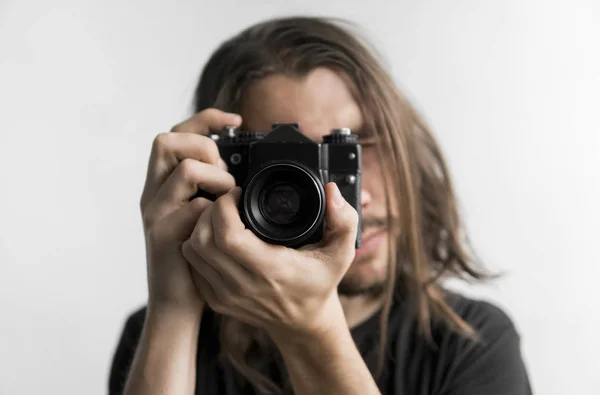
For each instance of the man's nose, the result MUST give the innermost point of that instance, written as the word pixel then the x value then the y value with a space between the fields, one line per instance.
pixel 365 198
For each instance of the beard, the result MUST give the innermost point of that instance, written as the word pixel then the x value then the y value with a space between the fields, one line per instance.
pixel 352 289
pixel 356 283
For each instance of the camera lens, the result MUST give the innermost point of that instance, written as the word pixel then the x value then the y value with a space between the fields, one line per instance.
pixel 284 203
pixel 280 203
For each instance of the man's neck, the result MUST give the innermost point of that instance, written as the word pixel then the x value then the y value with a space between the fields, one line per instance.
pixel 358 309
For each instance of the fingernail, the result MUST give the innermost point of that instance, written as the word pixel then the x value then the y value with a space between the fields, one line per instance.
pixel 338 199
pixel 235 118
pixel 222 164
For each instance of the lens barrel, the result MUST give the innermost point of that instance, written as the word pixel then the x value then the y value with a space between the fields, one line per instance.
pixel 284 203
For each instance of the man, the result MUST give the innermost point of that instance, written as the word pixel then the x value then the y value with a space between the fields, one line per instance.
pixel 230 314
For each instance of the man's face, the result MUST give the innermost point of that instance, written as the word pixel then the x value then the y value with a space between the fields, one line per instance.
pixel 320 102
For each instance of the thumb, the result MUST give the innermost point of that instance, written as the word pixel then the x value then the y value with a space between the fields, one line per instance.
pixel 341 225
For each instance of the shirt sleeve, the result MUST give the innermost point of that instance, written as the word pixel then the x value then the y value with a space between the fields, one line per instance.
pixel 124 353
pixel 491 366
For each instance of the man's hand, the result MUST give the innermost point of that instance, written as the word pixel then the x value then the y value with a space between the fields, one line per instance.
pixel 290 293
pixel 181 162
pixel 286 291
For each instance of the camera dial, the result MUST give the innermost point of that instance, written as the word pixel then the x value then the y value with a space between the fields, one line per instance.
pixel 341 136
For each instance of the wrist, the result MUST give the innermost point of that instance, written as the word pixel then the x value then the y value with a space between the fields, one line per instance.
pixel 173 311
pixel 328 326
pixel 305 354
pixel 166 327
pixel 165 359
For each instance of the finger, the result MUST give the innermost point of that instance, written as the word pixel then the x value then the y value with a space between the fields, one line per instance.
pixel 171 148
pixel 231 235
pixel 206 282
pixel 189 177
pixel 210 282
pixel 209 119
pixel 179 224
pixel 198 248
pixel 232 273
pixel 185 141
pixel 199 264
pixel 203 243
pixel 341 219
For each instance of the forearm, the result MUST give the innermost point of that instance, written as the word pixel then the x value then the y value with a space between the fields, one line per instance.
pixel 328 363
pixel 165 360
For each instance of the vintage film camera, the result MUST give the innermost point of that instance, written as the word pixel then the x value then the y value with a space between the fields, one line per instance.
pixel 283 173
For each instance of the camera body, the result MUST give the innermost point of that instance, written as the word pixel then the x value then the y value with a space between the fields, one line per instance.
pixel 283 173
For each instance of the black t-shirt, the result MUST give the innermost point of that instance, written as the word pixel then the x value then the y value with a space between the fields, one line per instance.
pixel 455 365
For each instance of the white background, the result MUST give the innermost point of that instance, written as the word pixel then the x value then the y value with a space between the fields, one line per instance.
pixel 512 89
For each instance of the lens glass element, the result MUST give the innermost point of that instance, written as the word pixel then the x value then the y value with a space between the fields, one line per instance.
pixel 280 203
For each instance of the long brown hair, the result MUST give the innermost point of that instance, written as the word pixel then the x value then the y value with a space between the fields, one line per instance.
pixel 431 242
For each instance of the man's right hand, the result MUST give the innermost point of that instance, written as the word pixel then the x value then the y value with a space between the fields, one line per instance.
pixel 181 162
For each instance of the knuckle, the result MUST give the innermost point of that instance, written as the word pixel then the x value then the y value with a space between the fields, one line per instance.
pixel 188 169
pixel 187 249
pixel 179 128
pixel 161 142
pixel 210 112
pixel 227 241
pixel 199 204
pixel 201 238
